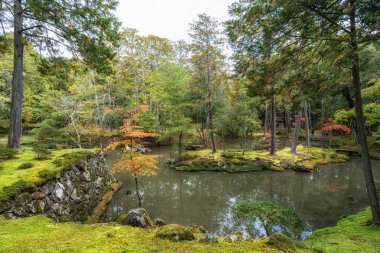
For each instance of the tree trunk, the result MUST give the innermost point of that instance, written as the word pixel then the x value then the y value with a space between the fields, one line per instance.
pixel 266 120
pixel 180 146
pixel 347 96
pixel 137 192
pixel 296 132
pixel 273 124
pixel 361 131
pixel 15 127
pixel 306 113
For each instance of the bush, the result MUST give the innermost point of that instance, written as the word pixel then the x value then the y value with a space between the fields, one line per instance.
pixel 7 153
pixel 25 166
pixel 41 152
pixel 47 174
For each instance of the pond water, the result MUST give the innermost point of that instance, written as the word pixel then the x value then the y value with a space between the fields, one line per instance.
pixel 206 198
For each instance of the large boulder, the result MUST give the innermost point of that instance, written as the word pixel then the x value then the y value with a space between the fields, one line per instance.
pixel 207 238
pixel 137 217
pixel 175 232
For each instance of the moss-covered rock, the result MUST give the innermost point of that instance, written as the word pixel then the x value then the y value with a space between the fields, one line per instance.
pixel 137 217
pixel 175 232
pixel 282 242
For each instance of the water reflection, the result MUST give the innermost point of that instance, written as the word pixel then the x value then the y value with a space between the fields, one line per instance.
pixel 320 198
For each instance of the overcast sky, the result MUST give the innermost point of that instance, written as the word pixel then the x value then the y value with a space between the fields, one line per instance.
pixel 169 18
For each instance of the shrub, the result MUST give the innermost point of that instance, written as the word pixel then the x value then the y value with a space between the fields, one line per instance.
pixel 25 166
pixel 7 153
pixel 269 215
pixel 47 174
pixel 41 152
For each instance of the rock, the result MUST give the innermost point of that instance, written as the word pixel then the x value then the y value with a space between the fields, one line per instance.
pixel 37 195
pixel 136 218
pixel 175 232
pixel 281 242
pixel 301 168
pixel 286 164
pixel 172 161
pixel 58 192
pixel 235 237
pixel 207 238
pixel 159 222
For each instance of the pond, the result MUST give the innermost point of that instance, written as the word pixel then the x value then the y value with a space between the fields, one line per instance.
pixel 205 198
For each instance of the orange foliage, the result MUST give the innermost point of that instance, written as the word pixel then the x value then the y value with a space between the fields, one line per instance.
pixel 138 164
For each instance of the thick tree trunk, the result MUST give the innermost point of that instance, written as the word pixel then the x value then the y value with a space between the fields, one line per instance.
pixel 137 192
pixel 361 131
pixel 296 132
pixel 347 96
pixel 15 123
pixel 273 124
pixel 307 125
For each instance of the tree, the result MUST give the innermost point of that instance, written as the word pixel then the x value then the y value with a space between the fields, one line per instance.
pixel 85 28
pixel 207 63
pixel 269 215
pixel 340 28
pixel 132 159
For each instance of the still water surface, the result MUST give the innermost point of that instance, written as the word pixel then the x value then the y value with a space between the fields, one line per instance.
pixel 206 198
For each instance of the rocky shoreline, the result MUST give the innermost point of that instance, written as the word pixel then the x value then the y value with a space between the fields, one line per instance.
pixel 70 196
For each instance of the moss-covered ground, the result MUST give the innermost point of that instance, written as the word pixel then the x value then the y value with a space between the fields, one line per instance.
pixel 39 234
pixel 233 160
pixel 13 178
pixel 351 234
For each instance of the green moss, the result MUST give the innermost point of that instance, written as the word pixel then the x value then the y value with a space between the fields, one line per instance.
pixel 351 234
pixel 47 174
pixel 175 232
pixel 15 188
pixel 71 158
pixel 40 234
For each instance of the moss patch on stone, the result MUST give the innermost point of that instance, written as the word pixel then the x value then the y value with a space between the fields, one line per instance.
pixel 175 232
pixel 102 205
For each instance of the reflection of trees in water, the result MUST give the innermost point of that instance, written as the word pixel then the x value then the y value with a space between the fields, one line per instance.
pixel 206 198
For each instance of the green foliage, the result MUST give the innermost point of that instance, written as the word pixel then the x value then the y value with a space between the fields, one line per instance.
pixel 46 131
pixel 47 174
pixel 26 165
pixel 268 215
pixel 68 159
pixel 7 153
pixel 41 152
pixel 345 117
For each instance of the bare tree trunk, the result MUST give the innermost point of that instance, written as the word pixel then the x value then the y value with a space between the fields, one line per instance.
pixel 137 192
pixel 266 120
pixel 296 132
pixel 273 123
pixel 307 124
pixel 15 122
pixel 180 146
pixel 361 131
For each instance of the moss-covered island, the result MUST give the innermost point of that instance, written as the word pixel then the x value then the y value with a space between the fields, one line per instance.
pixel 234 160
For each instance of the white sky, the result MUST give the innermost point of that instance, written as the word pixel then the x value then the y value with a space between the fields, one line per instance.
pixel 169 18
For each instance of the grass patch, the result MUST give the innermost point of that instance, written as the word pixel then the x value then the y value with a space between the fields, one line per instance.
pixel 39 234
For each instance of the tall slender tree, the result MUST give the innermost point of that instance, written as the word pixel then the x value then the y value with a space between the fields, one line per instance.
pixel 85 28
